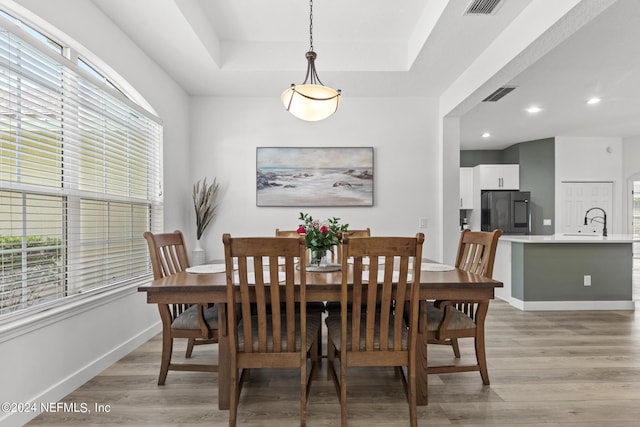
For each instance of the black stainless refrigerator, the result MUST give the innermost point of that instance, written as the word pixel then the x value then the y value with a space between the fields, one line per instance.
pixel 509 211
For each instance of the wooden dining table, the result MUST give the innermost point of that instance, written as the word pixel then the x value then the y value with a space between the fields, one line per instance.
pixel 192 288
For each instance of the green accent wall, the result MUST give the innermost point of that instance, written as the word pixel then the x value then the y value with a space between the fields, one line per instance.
pixel 555 271
pixel 537 175
pixel 471 158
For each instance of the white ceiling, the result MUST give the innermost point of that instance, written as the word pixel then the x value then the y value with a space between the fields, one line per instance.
pixel 602 59
pixel 381 48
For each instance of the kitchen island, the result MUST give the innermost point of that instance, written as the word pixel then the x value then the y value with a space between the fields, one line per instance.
pixel 566 272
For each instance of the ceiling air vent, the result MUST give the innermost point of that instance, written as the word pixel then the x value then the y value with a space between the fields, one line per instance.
pixel 499 94
pixel 482 7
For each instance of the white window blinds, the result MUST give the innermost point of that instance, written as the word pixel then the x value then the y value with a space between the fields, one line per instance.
pixel 80 179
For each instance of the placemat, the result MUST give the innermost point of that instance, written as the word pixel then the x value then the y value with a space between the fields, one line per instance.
pixel 207 268
pixel 432 266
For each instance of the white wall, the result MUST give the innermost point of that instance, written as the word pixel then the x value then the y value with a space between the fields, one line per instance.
pixel 631 156
pixel 631 167
pixel 56 355
pixel 592 159
pixel 403 133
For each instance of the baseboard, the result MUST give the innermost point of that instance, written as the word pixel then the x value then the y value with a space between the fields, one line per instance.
pixel 81 376
pixel 571 305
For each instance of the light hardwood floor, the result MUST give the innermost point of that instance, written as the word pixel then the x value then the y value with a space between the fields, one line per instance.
pixel 546 368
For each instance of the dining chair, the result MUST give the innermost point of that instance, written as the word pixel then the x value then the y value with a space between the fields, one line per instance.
pixel 293 233
pixel 365 232
pixel 317 307
pixel 196 322
pixel 272 331
pixel 286 233
pixel 334 306
pixel 449 320
pixel 361 337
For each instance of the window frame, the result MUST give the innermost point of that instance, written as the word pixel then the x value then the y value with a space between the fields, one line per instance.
pixel 73 196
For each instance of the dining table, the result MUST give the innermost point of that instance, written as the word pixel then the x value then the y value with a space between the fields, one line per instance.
pixel 437 282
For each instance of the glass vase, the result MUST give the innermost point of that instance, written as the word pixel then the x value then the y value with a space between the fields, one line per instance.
pixel 318 258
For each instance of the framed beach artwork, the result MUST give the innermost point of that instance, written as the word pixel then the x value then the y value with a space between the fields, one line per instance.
pixel 322 176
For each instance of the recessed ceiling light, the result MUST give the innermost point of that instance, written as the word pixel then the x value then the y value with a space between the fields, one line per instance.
pixel 534 110
pixel 486 135
pixel 592 101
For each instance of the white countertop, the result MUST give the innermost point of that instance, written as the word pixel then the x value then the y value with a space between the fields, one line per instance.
pixel 571 238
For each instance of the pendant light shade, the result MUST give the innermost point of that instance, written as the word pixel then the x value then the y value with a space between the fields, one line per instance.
pixel 311 100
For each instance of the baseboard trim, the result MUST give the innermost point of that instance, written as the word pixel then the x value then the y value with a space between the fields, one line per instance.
pixel 67 385
pixel 571 305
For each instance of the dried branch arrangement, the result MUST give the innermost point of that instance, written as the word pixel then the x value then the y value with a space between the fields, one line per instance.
pixel 204 197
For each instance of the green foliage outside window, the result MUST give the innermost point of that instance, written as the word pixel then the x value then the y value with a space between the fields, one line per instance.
pixel 43 279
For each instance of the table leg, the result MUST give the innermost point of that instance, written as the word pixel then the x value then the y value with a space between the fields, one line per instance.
pixel 224 379
pixel 421 357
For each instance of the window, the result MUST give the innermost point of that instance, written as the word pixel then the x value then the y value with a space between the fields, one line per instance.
pixel 79 176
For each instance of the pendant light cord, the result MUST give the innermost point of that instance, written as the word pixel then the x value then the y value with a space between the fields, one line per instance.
pixel 310 25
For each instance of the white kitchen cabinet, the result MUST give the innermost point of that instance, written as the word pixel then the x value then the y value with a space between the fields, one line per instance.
pixel 466 188
pixel 497 177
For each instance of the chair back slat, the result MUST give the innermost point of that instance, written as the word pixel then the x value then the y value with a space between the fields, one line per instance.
pixel 263 290
pixel 377 289
pixel 477 251
pixel 167 252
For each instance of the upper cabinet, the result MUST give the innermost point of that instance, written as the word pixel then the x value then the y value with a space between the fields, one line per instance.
pixel 497 177
pixel 466 188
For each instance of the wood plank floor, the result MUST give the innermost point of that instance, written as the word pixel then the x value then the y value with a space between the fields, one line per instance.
pixel 546 368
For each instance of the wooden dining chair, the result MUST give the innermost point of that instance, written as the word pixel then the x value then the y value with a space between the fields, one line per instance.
pixel 449 320
pixel 334 306
pixel 365 232
pixel 293 233
pixel 361 337
pixel 286 233
pixel 272 331
pixel 196 322
pixel 317 307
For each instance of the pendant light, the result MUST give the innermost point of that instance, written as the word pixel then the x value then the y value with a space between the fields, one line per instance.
pixel 311 100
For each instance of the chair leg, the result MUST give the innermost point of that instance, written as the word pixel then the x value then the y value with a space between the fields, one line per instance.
pixel 456 348
pixel 313 352
pixel 331 355
pixel 233 396
pixel 412 397
pixel 190 345
pixel 167 349
pixel 319 340
pixel 481 357
pixel 303 392
pixel 343 391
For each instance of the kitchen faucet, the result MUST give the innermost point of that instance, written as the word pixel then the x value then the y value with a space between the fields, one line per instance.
pixel 604 218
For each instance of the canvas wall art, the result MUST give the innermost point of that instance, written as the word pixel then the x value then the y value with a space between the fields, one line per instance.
pixel 322 176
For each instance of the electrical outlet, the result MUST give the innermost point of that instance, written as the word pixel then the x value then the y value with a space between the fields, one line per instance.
pixel 587 280
pixel 422 223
